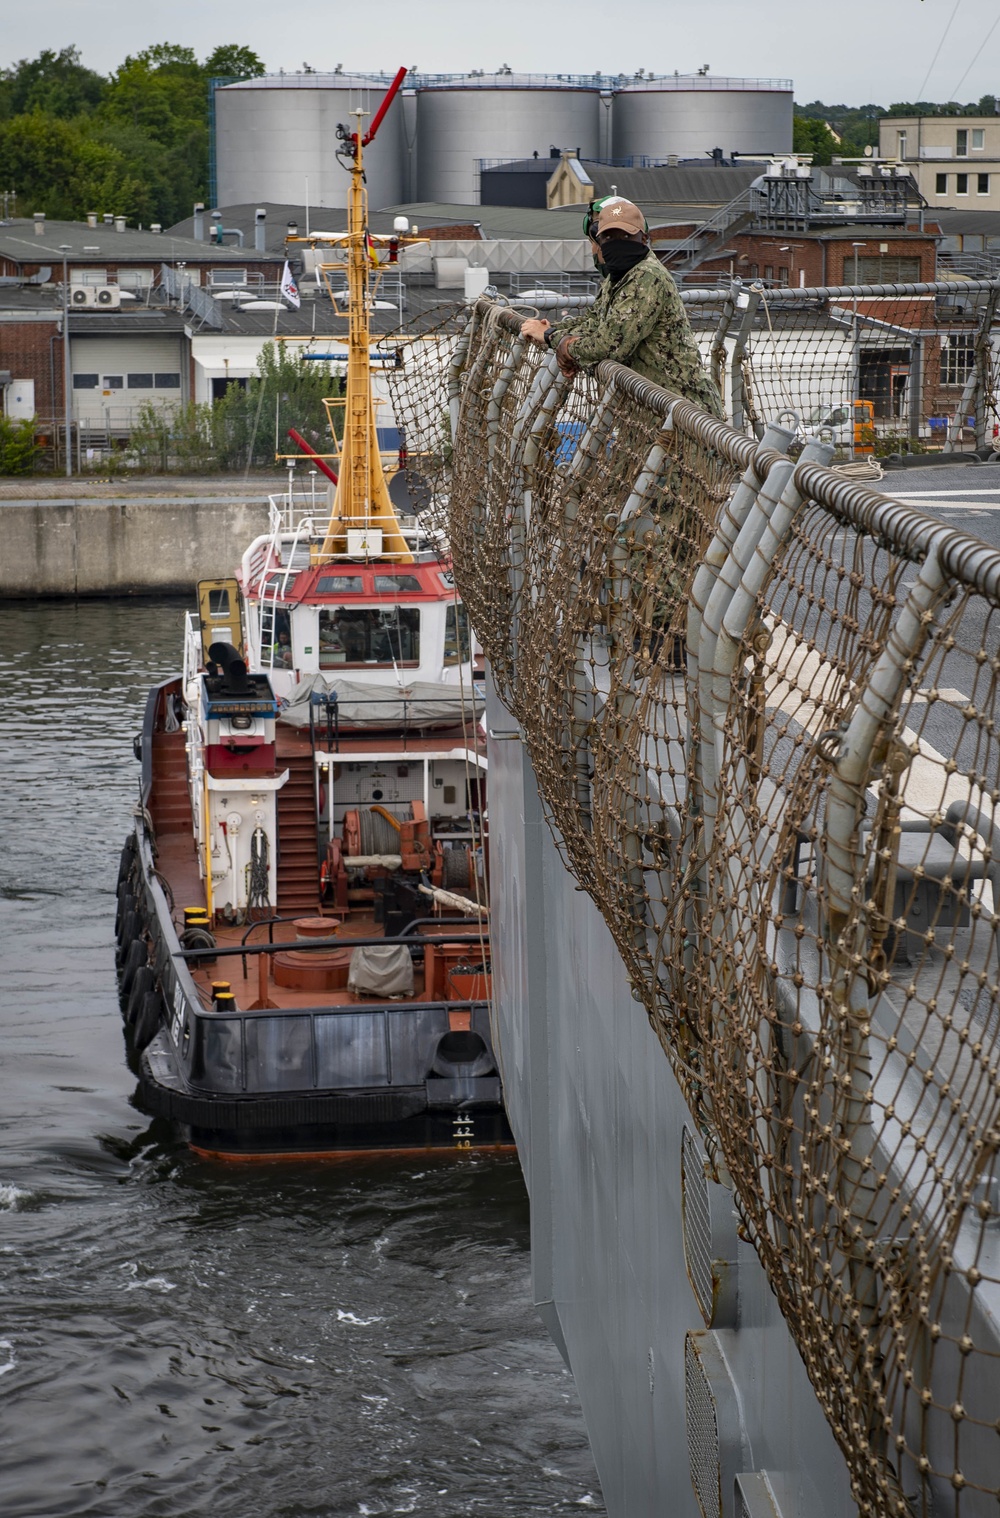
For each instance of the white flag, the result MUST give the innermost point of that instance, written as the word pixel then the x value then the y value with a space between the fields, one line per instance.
pixel 289 289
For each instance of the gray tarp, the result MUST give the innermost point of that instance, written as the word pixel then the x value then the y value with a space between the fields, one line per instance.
pixel 378 970
pixel 423 703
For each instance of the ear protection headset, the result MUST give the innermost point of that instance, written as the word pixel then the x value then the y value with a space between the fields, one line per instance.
pixel 594 210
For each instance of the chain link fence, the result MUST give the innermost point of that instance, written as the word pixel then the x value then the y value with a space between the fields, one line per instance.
pixel 762 703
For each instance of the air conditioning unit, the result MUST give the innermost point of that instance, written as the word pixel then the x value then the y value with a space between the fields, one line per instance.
pixel 82 295
pixel 108 297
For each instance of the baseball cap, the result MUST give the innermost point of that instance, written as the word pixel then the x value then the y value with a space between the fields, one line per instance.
pixel 621 214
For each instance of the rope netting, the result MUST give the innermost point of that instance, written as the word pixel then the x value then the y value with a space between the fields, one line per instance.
pixel 761 704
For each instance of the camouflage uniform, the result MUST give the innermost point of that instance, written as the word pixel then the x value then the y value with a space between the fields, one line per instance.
pixel 640 321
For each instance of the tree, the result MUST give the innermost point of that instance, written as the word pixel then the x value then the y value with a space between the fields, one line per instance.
pixel 231 61
pixel 55 83
pixel 815 137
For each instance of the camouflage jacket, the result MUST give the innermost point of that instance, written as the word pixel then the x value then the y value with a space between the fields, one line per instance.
pixel 641 322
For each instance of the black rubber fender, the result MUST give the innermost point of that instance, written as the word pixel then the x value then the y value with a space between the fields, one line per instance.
pixel 130 930
pixel 127 861
pixel 136 957
pixel 143 982
pixel 126 904
pixel 147 1020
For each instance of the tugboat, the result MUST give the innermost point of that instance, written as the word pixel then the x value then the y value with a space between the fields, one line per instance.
pixel 302 925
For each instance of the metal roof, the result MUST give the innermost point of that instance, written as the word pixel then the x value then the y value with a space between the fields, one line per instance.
pixel 103 245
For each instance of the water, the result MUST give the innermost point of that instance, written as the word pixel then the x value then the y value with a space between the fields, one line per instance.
pixel 178 1338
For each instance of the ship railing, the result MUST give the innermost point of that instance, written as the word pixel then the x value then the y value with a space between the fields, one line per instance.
pixel 761 700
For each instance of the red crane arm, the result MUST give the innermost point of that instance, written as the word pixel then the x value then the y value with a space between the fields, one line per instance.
pixel 297 437
pixel 380 113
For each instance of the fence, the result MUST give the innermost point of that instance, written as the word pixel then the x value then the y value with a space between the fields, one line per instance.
pixel 762 704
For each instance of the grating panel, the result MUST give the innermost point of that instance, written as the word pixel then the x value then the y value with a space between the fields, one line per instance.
pixel 697 1224
pixel 702 1432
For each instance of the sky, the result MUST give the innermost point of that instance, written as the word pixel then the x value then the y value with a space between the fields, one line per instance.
pixel 853 52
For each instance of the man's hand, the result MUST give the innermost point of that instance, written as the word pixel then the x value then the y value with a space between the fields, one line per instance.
pixel 564 357
pixel 535 328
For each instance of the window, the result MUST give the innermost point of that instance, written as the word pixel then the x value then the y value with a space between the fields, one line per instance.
pixel 978 139
pixel 961 143
pixel 900 144
pixel 754 271
pixel 982 184
pixel 281 581
pixel 224 279
pixel 456 635
pixel 768 271
pixel 884 269
pixel 86 381
pixel 339 585
pixel 114 382
pixel 140 382
pixel 387 584
pixel 782 274
pixel 218 603
pixel 958 358
pixel 135 279
pixel 940 184
pixel 167 381
pixel 371 635
pixel 961 184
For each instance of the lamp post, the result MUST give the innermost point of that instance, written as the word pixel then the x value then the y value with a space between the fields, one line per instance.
pixel 64 248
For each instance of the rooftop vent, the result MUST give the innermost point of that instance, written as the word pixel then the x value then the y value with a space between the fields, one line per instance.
pixel 91 218
pixel 156 227
pixel 107 218
pixel 198 230
pixel 119 223
pixel 39 223
pixel 260 229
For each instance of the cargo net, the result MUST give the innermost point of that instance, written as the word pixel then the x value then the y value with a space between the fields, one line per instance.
pixel 761 703
pixel 417 372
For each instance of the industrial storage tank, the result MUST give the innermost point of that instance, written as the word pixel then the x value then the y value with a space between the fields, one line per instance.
pixel 276 139
pixel 465 118
pixel 689 115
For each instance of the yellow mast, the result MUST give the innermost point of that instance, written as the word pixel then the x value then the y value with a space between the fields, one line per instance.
pixel 362 496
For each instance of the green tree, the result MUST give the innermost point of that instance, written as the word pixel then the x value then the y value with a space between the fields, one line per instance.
pixel 815 137
pixel 56 83
pixel 287 391
pixel 231 61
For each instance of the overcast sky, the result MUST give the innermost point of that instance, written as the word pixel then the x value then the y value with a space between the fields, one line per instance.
pixel 851 51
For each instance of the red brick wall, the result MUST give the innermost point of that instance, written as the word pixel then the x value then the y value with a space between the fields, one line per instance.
pixel 24 350
pixel 827 261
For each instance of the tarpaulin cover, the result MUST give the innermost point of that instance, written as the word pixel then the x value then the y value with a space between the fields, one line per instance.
pixel 423 703
pixel 381 970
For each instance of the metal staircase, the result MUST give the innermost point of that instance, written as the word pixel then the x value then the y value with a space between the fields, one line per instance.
pixel 712 236
pixel 298 866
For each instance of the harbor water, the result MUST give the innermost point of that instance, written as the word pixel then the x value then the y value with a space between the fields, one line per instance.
pixel 179 1338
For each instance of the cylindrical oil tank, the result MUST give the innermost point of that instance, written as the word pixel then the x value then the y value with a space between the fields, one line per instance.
pixel 274 134
pixel 690 115
pixel 497 116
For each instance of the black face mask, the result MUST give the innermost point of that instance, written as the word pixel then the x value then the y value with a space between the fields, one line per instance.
pixel 621 255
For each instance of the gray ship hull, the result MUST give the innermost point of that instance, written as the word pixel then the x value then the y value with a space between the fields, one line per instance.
pixel 599 1122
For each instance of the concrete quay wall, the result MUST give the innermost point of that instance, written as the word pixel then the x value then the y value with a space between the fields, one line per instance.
pixel 92 546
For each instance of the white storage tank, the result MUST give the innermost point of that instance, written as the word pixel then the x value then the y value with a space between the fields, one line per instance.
pixel 468 117
pixel 274 133
pixel 689 115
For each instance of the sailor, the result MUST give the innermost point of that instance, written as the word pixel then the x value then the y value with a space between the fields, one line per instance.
pixel 638 318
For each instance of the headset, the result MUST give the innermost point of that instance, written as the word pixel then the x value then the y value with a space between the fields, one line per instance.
pixel 594 210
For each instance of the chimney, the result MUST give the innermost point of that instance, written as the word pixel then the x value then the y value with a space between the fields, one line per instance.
pixel 259 229
pixel 107 218
pixel 199 222
pixel 119 223
pixel 39 223
pixel 91 218
pixel 157 226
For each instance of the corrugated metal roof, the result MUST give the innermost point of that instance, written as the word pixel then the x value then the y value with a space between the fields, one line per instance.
pixel 103 245
pixel 685 184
